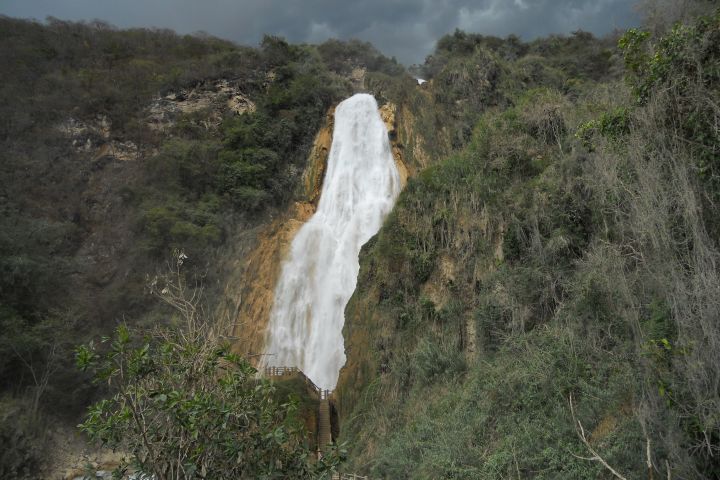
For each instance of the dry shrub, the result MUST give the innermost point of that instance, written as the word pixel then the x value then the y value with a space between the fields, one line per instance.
pixel 660 15
pixel 652 195
pixel 545 119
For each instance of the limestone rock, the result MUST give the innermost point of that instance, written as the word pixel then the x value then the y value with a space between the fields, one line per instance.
pixel 388 113
pixel 314 172
pixel 357 77
pixel 94 138
pixel 240 104
pixel 217 98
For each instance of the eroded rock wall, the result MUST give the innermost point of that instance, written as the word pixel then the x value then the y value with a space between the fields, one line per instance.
pixel 251 286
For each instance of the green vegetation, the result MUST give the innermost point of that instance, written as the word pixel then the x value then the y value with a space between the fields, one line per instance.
pixel 566 255
pixel 685 63
pixel 185 407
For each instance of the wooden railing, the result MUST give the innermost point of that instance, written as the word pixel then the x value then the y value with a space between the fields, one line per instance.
pixel 280 371
pixel 285 371
pixel 322 395
pixel 347 476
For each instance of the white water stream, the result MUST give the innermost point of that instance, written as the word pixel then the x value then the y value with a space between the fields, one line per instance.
pixel 320 274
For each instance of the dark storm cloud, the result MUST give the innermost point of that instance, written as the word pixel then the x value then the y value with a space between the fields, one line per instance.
pixel 406 29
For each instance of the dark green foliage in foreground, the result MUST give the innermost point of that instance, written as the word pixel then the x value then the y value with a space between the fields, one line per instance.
pixel 568 253
pixel 186 407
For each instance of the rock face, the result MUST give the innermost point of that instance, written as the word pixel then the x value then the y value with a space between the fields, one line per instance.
pixel 314 173
pixel 93 138
pixel 388 113
pixel 251 287
pixel 357 77
pixel 214 100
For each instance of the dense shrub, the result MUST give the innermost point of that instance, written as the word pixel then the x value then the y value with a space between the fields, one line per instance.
pixel 584 266
pixel 683 64
pixel 21 441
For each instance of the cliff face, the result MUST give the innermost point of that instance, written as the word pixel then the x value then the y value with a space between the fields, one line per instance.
pixel 314 172
pixel 251 286
pixel 388 113
pixel 419 127
pixel 250 290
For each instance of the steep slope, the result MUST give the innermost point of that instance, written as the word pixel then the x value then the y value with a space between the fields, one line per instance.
pixel 559 271
pixel 250 287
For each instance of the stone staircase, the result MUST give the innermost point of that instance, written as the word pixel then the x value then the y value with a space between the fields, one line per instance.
pixel 324 431
pixel 324 425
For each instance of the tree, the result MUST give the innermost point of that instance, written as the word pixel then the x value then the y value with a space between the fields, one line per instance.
pixel 186 407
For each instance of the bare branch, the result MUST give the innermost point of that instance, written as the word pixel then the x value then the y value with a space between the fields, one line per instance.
pixel 581 433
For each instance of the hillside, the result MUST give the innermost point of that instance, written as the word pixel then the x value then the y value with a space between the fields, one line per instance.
pixel 118 148
pixel 559 270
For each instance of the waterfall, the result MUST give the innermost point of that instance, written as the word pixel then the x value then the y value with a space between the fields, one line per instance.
pixel 320 274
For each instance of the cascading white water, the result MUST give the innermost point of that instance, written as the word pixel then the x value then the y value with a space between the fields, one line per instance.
pixel 319 276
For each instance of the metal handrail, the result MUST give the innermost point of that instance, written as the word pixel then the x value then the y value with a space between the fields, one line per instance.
pixel 323 395
pixel 280 371
pixel 347 476
pixel 283 371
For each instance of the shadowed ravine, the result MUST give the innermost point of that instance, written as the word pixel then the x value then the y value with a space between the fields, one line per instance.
pixel 320 274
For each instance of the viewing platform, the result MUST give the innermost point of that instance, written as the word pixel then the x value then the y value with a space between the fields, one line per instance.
pixel 326 426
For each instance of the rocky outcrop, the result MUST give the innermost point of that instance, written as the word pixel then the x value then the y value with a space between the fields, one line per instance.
pixel 214 100
pixel 251 286
pixel 211 100
pixel 414 144
pixel 314 173
pixel 388 113
pixel 410 148
pixel 357 78
pixel 93 139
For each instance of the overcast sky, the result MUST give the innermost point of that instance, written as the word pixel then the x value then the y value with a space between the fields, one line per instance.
pixel 406 29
